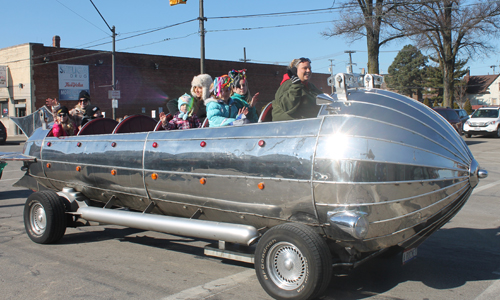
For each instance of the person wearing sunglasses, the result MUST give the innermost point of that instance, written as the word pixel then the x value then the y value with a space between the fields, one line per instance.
pixel 78 112
pixel 63 125
pixel 296 96
pixel 240 94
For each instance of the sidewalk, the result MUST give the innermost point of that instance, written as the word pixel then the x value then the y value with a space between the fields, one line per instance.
pixel 16 138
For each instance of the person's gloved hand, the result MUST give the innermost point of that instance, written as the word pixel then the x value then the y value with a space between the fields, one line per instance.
pixel 295 79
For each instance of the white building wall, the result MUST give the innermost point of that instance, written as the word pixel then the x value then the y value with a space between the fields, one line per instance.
pixel 490 98
pixel 18 95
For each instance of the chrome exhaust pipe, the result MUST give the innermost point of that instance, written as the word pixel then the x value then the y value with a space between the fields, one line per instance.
pixel 229 232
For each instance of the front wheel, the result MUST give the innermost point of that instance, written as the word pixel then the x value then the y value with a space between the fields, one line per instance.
pixel 45 217
pixel 293 262
pixel 497 133
pixel 467 135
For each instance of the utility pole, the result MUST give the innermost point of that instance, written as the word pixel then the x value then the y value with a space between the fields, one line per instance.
pixel 202 36
pixel 244 55
pixel 493 67
pixel 113 72
pixel 331 72
pixel 113 31
pixel 349 66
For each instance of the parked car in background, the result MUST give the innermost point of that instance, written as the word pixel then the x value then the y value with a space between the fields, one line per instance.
pixel 463 115
pixel 3 133
pixel 451 116
pixel 484 121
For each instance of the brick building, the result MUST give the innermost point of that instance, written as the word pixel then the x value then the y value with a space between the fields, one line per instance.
pixel 146 82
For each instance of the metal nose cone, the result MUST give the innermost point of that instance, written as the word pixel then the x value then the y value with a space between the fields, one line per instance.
pixel 475 173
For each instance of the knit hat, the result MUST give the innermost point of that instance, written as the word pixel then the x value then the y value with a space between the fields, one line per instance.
pixel 185 100
pixel 203 80
pixel 237 76
pixel 91 110
pixel 84 94
pixel 221 83
pixel 63 110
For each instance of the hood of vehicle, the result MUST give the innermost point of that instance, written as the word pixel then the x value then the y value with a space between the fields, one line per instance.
pixel 482 120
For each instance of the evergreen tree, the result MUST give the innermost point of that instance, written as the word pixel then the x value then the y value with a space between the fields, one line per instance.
pixel 468 107
pixel 427 102
pixel 406 73
pixel 434 79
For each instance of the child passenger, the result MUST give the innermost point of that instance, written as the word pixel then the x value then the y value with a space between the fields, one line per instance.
pixel 182 119
pixel 222 110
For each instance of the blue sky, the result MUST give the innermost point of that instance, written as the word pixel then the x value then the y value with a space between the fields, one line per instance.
pixel 267 39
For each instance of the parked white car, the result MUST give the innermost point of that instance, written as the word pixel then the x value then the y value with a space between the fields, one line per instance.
pixel 484 121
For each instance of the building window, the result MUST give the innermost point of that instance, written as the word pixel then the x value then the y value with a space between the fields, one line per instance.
pixel 4 106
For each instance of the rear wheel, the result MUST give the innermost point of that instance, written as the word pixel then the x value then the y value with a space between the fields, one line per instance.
pixel 45 217
pixel 293 262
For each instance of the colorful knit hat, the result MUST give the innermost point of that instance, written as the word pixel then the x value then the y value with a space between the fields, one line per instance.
pixel 237 76
pixel 221 83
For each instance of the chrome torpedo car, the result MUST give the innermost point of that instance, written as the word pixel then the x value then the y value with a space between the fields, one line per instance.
pixel 374 172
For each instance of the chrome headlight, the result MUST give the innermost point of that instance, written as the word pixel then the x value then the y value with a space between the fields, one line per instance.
pixel 353 223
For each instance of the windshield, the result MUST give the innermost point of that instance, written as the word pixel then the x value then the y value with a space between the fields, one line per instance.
pixel 448 114
pixel 485 113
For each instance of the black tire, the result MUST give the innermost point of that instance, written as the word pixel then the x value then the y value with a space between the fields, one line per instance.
pixel 293 262
pixel 497 133
pixel 467 135
pixel 45 217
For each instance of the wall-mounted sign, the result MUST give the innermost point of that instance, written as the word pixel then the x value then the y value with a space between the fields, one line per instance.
pixel 72 80
pixel 3 76
pixel 114 94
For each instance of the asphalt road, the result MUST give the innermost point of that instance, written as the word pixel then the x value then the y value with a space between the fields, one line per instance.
pixel 460 261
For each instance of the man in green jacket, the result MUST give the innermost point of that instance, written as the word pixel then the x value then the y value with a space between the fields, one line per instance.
pixel 296 97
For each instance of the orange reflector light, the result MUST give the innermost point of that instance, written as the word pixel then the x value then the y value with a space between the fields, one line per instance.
pixel 154 176
pixel 48 165
pixel 78 168
pixel 113 172
pixel 203 180
pixel 261 185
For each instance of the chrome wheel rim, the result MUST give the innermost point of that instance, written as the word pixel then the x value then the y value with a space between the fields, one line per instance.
pixel 38 219
pixel 286 266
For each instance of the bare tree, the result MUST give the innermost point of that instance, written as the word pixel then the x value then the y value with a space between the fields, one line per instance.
pixel 450 29
pixel 370 22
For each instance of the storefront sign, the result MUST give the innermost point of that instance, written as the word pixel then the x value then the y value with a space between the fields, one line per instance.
pixel 3 76
pixel 72 80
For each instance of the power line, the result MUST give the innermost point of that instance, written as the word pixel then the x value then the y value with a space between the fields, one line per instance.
pixel 82 17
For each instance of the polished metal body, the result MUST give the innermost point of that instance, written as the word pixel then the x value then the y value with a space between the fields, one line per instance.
pixel 371 157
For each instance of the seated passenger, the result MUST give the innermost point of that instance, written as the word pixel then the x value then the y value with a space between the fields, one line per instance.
pixel 185 118
pixel 63 125
pixel 241 94
pixel 221 109
pixel 200 90
pixel 91 112
pixel 77 112
pixel 296 97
